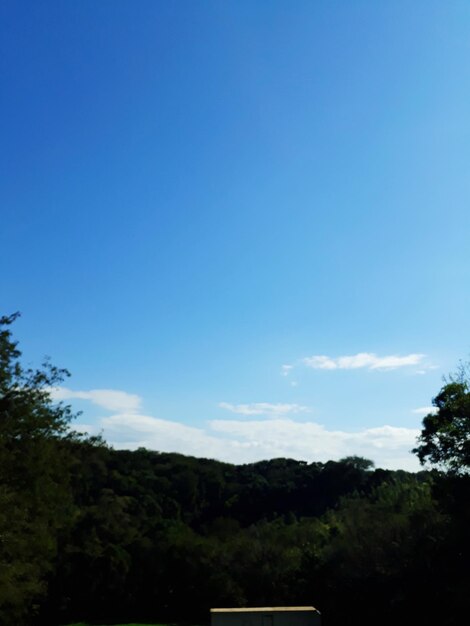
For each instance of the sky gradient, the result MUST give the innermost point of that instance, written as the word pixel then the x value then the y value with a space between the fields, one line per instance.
pixel 244 227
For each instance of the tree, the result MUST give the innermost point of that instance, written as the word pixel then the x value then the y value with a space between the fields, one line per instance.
pixel 381 557
pixel 33 477
pixel 445 438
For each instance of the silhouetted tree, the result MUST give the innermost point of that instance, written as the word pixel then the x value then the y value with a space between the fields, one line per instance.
pixel 445 438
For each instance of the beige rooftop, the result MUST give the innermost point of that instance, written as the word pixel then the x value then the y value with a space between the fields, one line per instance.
pixel 264 609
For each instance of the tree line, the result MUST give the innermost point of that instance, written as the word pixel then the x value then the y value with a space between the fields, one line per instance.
pixel 101 535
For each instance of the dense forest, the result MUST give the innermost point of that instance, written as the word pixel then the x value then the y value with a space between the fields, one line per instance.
pixel 92 533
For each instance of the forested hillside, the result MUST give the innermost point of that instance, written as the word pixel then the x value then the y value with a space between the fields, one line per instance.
pixel 96 534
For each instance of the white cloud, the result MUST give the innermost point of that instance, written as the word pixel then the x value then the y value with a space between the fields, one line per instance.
pixel 237 441
pixel 286 369
pixel 263 408
pixel 387 445
pixel 362 360
pixel 109 399
pixel 425 410
pixel 245 440
pixel 131 431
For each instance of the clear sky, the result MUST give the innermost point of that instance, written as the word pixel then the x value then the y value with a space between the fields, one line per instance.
pixel 243 226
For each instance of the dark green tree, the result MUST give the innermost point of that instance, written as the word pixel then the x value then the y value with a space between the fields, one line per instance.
pixel 33 477
pixel 445 438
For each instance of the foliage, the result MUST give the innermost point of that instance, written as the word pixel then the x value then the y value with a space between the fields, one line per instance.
pixel 107 536
pixel 445 438
pixel 382 553
pixel 34 494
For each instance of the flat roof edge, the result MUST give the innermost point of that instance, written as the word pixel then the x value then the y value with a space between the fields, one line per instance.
pixel 264 608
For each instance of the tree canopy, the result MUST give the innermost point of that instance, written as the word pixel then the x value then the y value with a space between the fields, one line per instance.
pixel 34 493
pixel 445 438
pixel 108 536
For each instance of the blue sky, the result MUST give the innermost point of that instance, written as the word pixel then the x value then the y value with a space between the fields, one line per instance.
pixel 194 195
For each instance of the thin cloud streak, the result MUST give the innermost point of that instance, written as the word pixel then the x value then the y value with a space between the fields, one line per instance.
pixel 367 360
pixel 263 408
pixel 109 399
pixel 425 410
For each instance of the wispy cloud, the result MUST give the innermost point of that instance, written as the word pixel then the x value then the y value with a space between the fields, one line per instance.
pixel 286 370
pixel 388 446
pixel 425 410
pixel 366 360
pixel 132 431
pixel 109 399
pixel 245 440
pixel 263 408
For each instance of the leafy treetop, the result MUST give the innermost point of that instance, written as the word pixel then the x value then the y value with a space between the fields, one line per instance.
pixel 445 438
